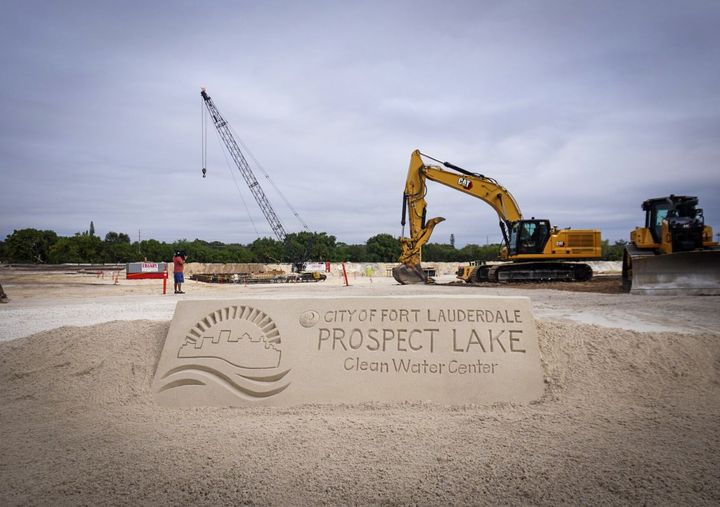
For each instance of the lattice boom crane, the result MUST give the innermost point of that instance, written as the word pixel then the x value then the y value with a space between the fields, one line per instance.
pixel 226 135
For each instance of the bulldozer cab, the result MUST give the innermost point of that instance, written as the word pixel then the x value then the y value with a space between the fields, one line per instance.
pixel 528 237
pixel 684 221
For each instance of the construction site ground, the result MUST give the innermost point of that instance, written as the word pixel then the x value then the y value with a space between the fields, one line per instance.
pixel 604 284
pixel 629 415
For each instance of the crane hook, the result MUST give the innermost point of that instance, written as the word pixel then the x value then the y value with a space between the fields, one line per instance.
pixel 204 171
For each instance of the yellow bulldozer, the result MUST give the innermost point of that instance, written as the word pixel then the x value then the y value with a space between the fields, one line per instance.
pixel 535 250
pixel 674 252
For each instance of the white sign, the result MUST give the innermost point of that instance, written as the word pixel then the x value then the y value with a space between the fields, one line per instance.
pixel 315 266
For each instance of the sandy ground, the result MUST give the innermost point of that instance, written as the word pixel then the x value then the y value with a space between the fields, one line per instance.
pixel 43 301
pixel 630 413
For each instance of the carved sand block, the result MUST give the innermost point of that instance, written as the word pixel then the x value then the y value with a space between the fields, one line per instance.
pixel 283 352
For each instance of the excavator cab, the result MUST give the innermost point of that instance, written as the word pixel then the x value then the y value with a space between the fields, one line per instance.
pixel 528 237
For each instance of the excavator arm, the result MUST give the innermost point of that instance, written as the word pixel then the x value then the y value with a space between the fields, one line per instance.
pixel 415 209
pixel 481 187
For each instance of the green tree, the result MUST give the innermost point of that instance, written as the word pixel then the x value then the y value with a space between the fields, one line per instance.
pixel 322 247
pixel 121 252
pixel 117 237
pixel 117 248
pixel 81 248
pixel 65 250
pixel 358 253
pixel 29 245
pixel 382 248
pixel 237 253
pixel 297 247
pixel 341 253
pixel 613 252
pixel 90 248
pixel 438 252
pixel 308 246
pixel 153 250
pixel 196 250
pixel 267 250
pixel 472 252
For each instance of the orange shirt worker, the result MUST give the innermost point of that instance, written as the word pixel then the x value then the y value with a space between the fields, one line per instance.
pixel 179 268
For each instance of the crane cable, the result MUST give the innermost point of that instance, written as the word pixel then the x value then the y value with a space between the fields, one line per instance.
pixel 203 137
pixel 267 176
pixel 237 185
pixel 204 121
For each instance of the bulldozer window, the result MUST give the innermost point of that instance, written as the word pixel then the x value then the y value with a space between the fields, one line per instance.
pixel 657 215
pixel 661 214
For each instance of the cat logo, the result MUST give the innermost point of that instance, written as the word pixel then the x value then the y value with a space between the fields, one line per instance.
pixel 464 182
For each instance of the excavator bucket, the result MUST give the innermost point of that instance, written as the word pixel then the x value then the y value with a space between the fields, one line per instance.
pixel 696 272
pixel 409 274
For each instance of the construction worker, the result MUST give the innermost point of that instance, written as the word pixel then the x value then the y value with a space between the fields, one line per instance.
pixel 178 269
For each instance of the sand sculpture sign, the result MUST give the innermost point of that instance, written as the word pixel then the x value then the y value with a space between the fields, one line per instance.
pixel 284 352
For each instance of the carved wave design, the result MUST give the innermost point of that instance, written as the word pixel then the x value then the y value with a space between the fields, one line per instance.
pixel 244 386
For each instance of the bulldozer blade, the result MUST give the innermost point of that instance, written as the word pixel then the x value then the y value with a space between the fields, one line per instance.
pixel 409 274
pixel 690 273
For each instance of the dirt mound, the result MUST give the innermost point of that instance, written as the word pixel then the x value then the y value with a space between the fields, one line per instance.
pixel 115 362
pixel 103 364
pixel 582 360
pixel 627 417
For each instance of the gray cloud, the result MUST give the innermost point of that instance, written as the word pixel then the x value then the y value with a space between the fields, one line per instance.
pixel 581 110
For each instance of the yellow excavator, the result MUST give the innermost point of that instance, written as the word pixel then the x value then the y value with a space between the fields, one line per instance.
pixel 537 251
pixel 674 252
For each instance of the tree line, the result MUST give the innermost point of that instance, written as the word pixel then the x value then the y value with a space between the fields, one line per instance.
pixel 46 247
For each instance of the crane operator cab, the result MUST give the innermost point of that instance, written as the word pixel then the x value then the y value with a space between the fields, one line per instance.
pixel 528 237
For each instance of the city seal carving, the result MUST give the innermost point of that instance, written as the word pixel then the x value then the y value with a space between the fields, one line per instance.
pixel 451 350
pixel 309 318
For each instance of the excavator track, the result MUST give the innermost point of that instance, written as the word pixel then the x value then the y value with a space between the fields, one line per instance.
pixel 533 272
pixel 508 272
pixel 682 273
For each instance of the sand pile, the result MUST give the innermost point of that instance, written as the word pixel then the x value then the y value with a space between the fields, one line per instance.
pixel 627 417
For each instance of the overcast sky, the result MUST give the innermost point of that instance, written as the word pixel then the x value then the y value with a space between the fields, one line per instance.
pixel 581 109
